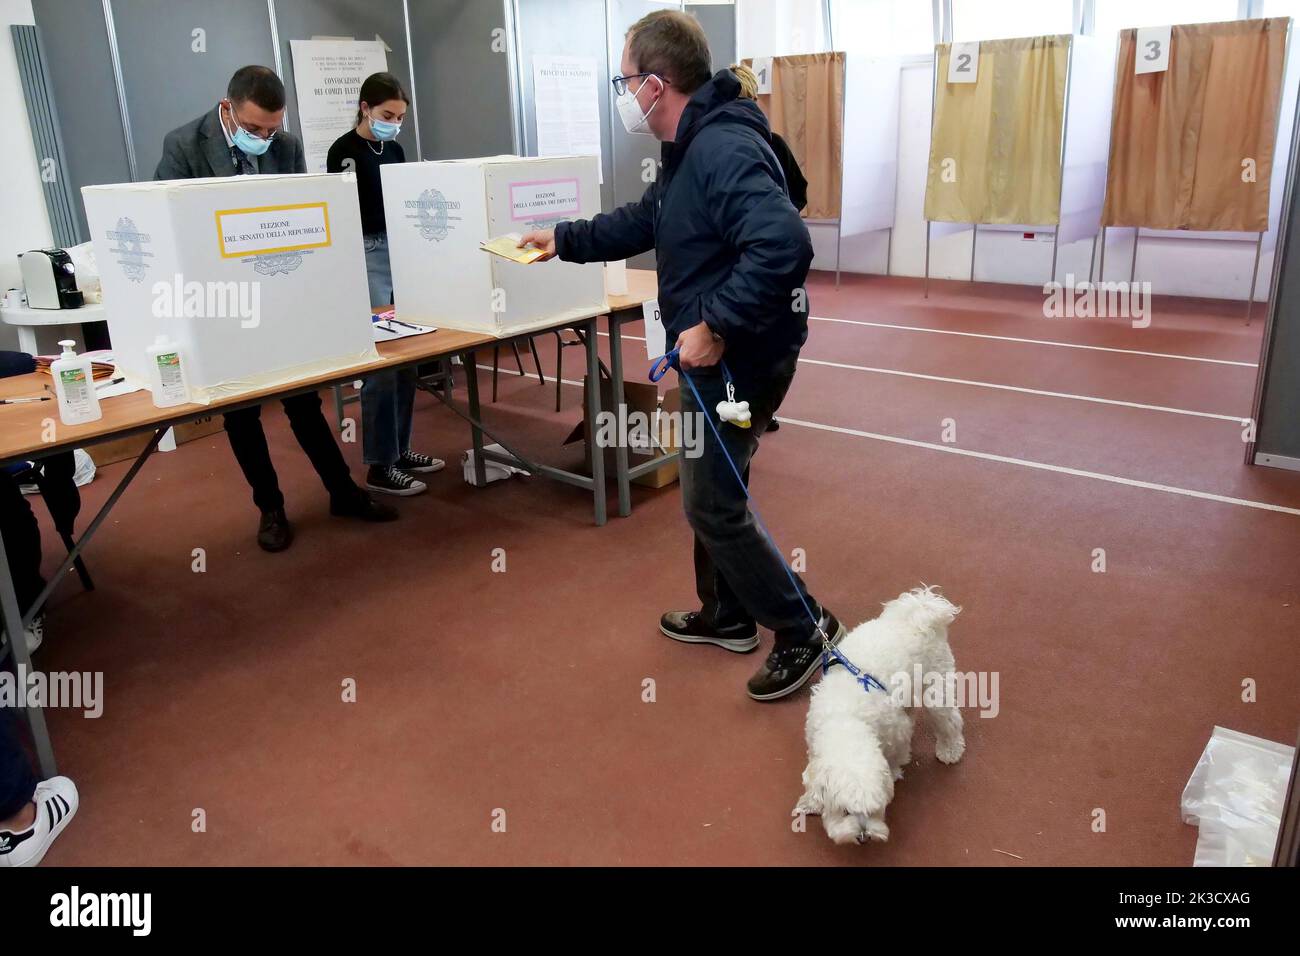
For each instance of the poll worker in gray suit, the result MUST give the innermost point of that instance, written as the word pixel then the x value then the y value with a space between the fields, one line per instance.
pixel 241 136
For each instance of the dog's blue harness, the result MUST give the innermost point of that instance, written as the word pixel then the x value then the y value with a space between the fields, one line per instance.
pixel 831 655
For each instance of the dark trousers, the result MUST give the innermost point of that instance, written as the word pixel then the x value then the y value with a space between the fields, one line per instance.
pixel 248 442
pixel 22 538
pixel 22 541
pixel 739 574
pixel 17 781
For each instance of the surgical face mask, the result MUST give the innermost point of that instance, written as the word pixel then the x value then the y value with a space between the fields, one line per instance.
pixel 629 109
pixel 246 141
pixel 384 131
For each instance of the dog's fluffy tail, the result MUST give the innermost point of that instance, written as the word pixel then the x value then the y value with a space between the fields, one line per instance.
pixel 925 609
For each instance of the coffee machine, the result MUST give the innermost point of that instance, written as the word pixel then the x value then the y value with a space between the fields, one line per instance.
pixel 50 280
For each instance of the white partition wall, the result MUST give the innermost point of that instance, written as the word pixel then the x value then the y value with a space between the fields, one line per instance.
pixel 870 151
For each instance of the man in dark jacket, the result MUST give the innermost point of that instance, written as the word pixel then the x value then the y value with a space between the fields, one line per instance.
pixel 732 255
pixel 242 137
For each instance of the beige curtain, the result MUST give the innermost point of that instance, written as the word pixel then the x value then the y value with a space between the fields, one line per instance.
pixel 806 108
pixel 995 144
pixel 1180 139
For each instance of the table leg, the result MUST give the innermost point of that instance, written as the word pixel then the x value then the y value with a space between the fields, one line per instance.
pixel 593 415
pixel 620 408
pixel 13 622
pixel 27 339
pixel 475 414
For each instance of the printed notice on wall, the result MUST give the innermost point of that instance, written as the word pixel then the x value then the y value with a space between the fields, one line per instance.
pixel 327 75
pixel 567 104
pixel 271 229
pixel 545 199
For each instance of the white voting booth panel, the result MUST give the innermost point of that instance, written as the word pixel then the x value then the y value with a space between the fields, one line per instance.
pixel 870 152
pixel 259 280
pixel 439 212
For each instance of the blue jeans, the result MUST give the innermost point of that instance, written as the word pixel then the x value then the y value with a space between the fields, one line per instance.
pixel 739 574
pixel 387 398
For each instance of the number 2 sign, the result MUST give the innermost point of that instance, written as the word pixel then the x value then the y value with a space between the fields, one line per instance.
pixel 1152 54
pixel 963 62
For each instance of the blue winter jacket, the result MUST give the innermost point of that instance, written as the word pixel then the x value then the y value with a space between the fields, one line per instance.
pixel 730 249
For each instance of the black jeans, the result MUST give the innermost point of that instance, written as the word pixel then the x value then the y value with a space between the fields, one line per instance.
pixel 17 781
pixel 739 573
pixel 22 541
pixel 248 442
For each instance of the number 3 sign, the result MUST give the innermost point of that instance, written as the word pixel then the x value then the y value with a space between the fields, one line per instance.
pixel 1152 50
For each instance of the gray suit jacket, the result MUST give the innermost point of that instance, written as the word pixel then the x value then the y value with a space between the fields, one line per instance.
pixel 198 150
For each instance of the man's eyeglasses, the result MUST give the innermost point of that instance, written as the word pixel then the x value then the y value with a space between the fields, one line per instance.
pixel 620 82
pixel 259 131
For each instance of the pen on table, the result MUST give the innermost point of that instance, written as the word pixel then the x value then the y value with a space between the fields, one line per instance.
pixel 111 381
pixel 406 324
pixel 23 401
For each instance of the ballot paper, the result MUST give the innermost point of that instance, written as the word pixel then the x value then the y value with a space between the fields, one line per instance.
pixel 507 247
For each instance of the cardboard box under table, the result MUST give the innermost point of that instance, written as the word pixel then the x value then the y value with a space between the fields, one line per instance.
pixel 437 215
pixel 258 280
pixel 661 437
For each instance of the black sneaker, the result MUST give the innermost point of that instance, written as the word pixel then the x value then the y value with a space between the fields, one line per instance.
pixel 414 462
pixel 274 533
pixel 690 627
pixel 361 505
pixel 773 425
pixel 393 481
pixel 793 662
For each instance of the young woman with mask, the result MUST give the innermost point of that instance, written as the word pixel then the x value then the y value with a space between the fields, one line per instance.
pixel 387 398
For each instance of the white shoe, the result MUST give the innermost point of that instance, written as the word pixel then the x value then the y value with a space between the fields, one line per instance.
pixel 56 803
pixel 35 633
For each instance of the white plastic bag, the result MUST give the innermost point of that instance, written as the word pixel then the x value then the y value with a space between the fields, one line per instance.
pixel 492 470
pixel 1235 796
pixel 84 470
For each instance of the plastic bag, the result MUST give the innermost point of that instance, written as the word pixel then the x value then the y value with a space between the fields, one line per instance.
pixel 1235 795
pixel 84 469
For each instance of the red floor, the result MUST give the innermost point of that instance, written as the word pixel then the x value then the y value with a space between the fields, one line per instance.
pixel 480 692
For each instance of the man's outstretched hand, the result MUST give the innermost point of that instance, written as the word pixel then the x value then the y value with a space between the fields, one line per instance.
pixel 698 348
pixel 543 239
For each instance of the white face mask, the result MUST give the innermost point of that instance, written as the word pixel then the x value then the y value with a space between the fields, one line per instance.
pixel 629 109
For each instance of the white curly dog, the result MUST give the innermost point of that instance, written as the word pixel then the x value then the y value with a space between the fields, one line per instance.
pixel 860 740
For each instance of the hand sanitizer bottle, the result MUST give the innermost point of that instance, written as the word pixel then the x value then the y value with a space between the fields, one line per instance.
pixel 166 374
pixel 74 386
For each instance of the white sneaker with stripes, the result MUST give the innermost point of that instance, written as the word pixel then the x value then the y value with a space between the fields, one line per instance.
pixel 35 634
pixel 56 803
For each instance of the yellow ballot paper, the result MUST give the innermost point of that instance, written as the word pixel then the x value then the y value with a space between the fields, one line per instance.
pixel 507 247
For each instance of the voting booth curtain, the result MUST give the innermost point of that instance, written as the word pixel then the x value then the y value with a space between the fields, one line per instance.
pixel 995 145
pixel 1181 139
pixel 806 108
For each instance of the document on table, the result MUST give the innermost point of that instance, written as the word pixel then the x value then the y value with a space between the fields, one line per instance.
pixel 386 328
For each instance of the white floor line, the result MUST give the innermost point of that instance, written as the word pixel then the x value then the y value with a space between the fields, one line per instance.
pixel 1063 345
pixel 1237 419
pixel 514 373
pixel 1027 391
pixel 1041 466
pixel 1022 462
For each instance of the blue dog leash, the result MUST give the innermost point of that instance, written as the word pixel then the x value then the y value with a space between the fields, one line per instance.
pixel 830 653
